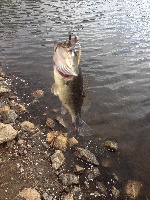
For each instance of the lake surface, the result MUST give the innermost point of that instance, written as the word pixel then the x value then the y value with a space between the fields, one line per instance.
pixel 115 40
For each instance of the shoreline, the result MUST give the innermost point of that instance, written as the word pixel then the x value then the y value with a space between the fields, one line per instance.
pixel 46 165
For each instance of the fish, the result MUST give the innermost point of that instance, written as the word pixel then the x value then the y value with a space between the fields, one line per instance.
pixel 68 80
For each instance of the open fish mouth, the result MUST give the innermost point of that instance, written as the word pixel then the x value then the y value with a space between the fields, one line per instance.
pixel 65 71
pixel 66 59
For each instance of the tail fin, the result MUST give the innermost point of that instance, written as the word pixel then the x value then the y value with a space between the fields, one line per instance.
pixel 80 128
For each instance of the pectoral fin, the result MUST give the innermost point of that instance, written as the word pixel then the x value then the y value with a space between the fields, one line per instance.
pixel 54 89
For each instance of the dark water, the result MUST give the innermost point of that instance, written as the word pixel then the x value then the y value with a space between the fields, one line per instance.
pixel 115 42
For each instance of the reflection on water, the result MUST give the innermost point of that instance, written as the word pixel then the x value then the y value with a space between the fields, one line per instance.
pixel 115 56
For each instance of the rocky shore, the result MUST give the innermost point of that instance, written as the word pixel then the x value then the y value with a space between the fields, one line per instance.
pixel 49 165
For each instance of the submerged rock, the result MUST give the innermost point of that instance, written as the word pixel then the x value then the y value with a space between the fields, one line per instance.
pixel 30 194
pixel 111 146
pixel 50 123
pixel 102 188
pixel 106 162
pixel 69 179
pixel 61 122
pixel 72 141
pixel 57 140
pixel 51 136
pixel 60 142
pixel 86 155
pixel 57 159
pixel 38 94
pixel 132 189
pixel 47 197
pixel 92 173
pixel 3 87
pixel 27 126
pixel 9 116
pixel 19 108
pixel 115 192
pixel 76 191
pixel 67 197
pixel 7 132
pixel 4 108
pixel 87 185
pixel 78 169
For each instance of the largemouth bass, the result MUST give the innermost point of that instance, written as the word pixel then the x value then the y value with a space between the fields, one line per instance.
pixel 68 78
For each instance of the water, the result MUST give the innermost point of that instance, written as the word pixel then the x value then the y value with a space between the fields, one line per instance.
pixel 115 42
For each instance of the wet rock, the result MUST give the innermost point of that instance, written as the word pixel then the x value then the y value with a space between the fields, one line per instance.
pixel 115 177
pixel 3 75
pixel 7 132
pixel 57 159
pixel 115 192
pixel 21 142
pixel 78 169
pixel 51 136
pixel 86 184
pixel 9 116
pixel 86 155
pixel 3 87
pixel 19 108
pixel 92 173
pixel 61 122
pixel 72 141
pixel 47 197
pixel 67 197
pixel 50 123
pixel 30 194
pixel 61 142
pixel 55 110
pixel 132 189
pixel 111 146
pixel 69 179
pixel 106 163
pixel 101 188
pixel 57 139
pixel 76 191
pixel 4 108
pixel 95 194
pixel 27 126
pixel 38 94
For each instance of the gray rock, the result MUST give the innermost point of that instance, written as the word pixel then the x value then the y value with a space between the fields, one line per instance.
pixel 132 189
pixel 67 197
pixel 17 107
pixel 86 155
pixel 3 88
pixel 7 132
pixel 92 173
pixel 106 162
pixel 27 126
pixel 95 194
pixel 9 116
pixel 86 184
pixel 102 188
pixel 111 146
pixel 57 159
pixel 21 142
pixel 78 169
pixel 115 192
pixel 47 197
pixel 77 194
pixel 69 179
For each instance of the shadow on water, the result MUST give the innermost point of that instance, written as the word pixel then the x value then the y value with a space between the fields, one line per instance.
pixel 115 56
